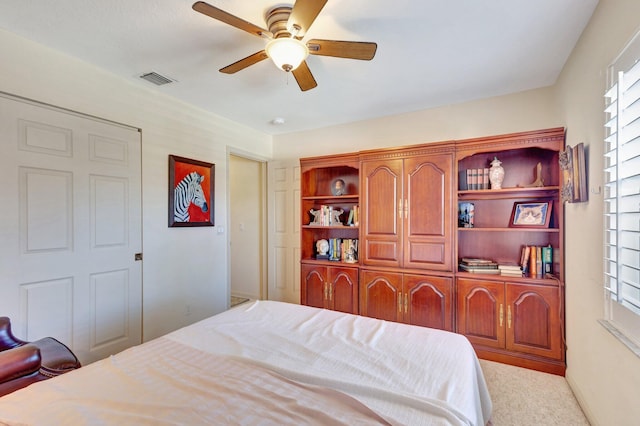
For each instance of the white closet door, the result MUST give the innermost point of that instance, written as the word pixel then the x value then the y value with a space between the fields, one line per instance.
pixel 284 231
pixel 70 228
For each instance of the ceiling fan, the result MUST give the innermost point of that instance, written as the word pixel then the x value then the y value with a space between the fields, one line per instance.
pixel 287 27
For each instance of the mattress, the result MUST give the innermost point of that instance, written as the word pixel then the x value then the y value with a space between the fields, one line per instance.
pixel 268 362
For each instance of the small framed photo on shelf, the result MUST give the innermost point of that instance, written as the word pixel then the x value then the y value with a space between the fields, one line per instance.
pixel 531 215
pixel 338 187
pixel 466 212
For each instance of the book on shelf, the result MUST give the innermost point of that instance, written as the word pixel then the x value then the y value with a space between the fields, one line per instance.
pixel 509 267
pixel 511 273
pixel 524 258
pixel 350 218
pixel 489 266
pixel 533 270
pixel 473 261
pixel 547 259
pixel 480 270
pixel 538 260
pixel 478 266
pixel 462 180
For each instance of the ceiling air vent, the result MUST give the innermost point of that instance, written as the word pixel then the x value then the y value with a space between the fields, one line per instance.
pixel 155 78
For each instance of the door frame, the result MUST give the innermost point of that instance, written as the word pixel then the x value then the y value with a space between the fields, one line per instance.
pixel 231 151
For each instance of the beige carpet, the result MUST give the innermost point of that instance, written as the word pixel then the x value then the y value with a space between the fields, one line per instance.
pixel 238 300
pixel 525 397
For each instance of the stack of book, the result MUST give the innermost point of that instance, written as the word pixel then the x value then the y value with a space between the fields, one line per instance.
pixel 478 266
pixel 510 269
pixel 475 179
pixel 537 260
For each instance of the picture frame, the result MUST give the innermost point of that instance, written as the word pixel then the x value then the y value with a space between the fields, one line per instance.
pixel 191 192
pixel 574 174
pixel 466 214
pixel 531 214
pixel 338 187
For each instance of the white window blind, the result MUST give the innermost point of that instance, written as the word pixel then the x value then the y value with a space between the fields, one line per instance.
pixel 622 195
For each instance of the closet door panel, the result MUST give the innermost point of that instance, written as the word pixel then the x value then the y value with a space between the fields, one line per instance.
pixel 428 210
pixel 382 215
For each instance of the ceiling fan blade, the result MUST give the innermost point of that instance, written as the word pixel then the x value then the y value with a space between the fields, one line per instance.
pixel 227 18
pixel 244 63
pixel 343 49
pixel 304 77
pixel 303 14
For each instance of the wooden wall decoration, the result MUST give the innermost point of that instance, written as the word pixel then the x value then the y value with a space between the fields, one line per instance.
pixel 574 175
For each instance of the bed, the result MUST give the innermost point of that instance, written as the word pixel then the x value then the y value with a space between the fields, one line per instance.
pixel 268 362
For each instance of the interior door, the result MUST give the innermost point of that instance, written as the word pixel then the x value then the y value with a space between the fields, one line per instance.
pixel 71 228
pixel 284 231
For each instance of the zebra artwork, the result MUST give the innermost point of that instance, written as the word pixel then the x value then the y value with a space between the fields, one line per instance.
pixel 188 191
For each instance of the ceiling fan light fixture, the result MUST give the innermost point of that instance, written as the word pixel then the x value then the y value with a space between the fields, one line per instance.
pixel 287 53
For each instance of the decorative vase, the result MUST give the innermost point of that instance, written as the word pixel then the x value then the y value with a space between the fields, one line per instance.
pixel 496 174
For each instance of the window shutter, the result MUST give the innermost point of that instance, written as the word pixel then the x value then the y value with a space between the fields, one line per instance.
pixel 622 192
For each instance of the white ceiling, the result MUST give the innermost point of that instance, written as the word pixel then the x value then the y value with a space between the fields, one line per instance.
pixel 430 53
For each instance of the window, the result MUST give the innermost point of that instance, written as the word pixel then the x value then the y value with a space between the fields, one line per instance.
pixel 622 198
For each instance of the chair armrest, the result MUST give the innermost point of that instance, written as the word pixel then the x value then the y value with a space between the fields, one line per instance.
pixel 7 339
pixel 19 362
pixel 57 358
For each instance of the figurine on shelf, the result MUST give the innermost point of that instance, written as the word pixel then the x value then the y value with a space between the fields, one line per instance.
pixel 538 182
pixel 322 247
pixel 317 217
pixel 496 174
pixel 335 217
pixel 338 187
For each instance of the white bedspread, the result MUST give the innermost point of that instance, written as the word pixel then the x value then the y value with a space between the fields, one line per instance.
pixel 271 363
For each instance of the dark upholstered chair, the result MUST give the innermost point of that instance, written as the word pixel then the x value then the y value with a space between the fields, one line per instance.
pixel 23 363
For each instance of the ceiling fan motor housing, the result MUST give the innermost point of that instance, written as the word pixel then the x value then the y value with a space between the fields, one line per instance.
pixel 277 18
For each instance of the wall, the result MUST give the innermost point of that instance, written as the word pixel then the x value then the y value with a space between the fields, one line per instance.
pixel 184 269
pixel 601 371
pixel 517 112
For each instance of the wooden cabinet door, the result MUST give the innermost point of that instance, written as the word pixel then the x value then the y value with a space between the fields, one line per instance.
pixel 481 312
pixel 380 195
pixel 313 285
pixel 429 301
pixel 427 212
pixel 381 295
pixel 343 289
pixel 533 320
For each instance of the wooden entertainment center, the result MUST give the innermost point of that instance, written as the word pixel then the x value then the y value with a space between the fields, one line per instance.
pixel 398 210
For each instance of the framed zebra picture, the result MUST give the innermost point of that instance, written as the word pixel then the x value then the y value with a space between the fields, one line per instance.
pixel 191 192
